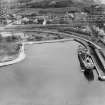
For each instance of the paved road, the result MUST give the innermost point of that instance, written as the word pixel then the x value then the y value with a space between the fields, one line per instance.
pixel 50 75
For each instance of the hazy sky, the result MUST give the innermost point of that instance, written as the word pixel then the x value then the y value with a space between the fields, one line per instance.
pixel 102 1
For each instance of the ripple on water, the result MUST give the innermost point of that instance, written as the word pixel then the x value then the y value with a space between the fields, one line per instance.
pixel 50 74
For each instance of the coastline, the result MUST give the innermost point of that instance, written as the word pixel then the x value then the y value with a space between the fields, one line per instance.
pixel 22 54
pixel 20 57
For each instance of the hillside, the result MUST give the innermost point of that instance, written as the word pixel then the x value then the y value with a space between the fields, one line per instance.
pixel 52 3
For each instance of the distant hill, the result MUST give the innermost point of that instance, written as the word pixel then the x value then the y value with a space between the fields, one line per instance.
pixel 50 4
pixel 55 3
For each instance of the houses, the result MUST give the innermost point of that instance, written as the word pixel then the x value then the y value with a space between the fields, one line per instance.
pixel 48 16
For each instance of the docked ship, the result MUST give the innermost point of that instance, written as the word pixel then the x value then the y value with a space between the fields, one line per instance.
pixel 85 59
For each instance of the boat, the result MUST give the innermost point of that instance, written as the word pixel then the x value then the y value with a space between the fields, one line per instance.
pixel 85 60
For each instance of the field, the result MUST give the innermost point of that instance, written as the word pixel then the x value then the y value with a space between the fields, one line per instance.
pixel 8 50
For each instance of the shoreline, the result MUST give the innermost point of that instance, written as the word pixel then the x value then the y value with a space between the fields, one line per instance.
pixel 20 57
pixel 22 54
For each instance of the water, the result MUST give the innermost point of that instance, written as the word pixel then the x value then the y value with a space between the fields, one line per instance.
pixel 50 75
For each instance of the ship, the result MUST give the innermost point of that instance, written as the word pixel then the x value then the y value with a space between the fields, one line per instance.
pixel 85 59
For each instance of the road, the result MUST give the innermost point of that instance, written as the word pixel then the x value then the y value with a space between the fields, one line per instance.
pixel 50 75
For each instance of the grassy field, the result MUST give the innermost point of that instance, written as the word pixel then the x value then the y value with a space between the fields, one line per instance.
pixel 9 50
pixel 41 36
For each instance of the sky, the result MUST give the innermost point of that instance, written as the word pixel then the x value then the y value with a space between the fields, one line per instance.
pixel 102 1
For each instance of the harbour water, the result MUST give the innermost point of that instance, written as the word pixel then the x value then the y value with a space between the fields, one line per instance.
pixel 49 75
